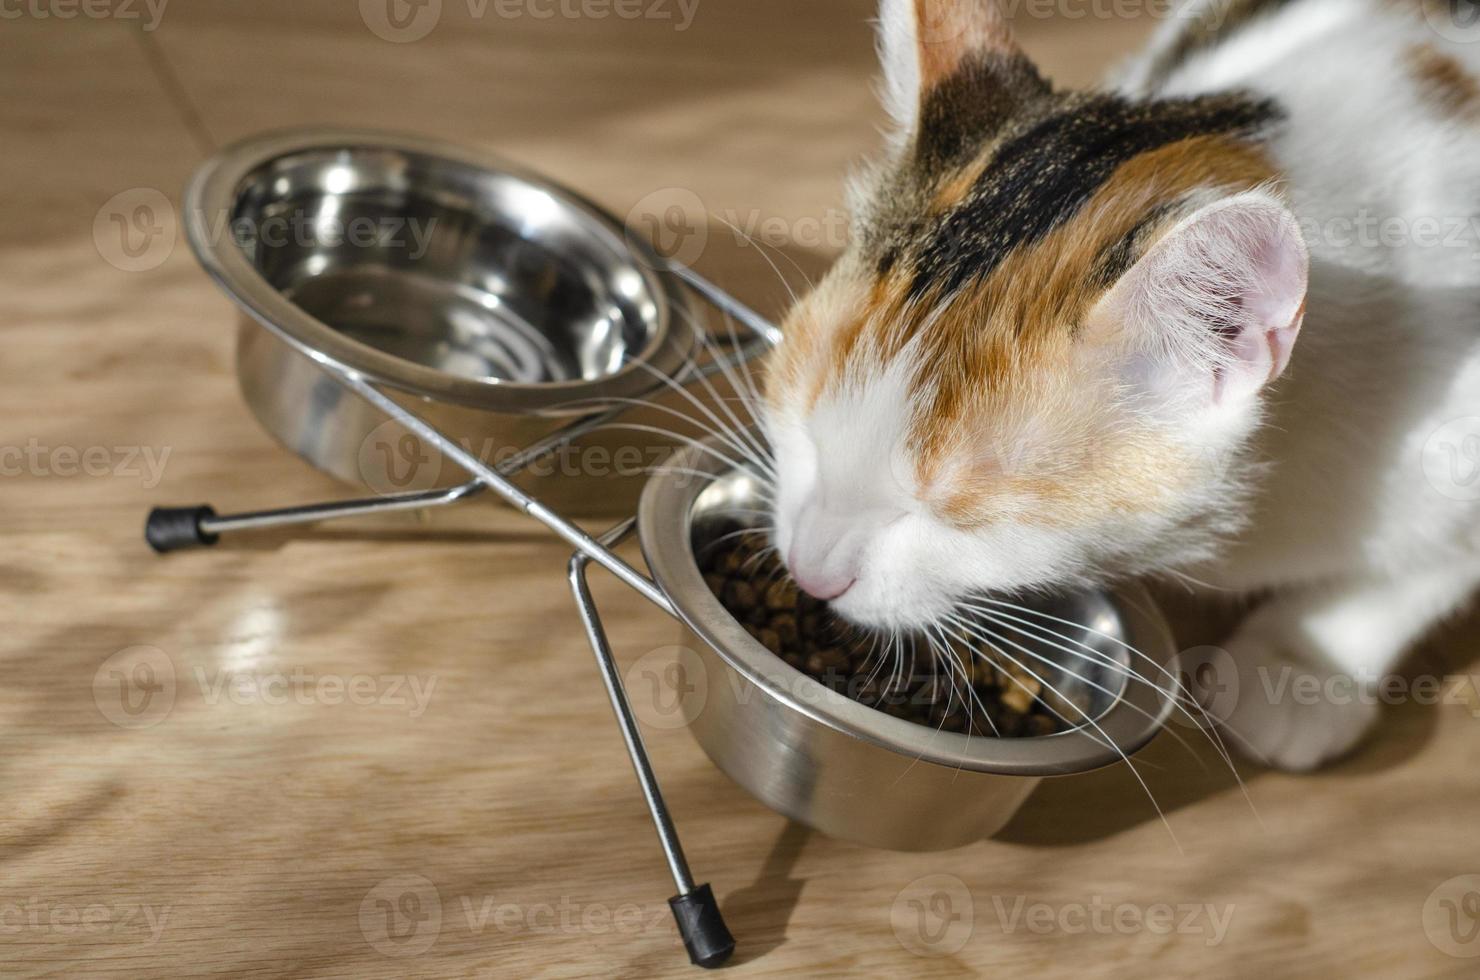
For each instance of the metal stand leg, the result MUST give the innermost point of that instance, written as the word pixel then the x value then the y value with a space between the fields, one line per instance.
pixel 174 528
pixel 177 528
pixel 700 923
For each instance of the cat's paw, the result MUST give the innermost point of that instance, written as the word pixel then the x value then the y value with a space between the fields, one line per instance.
pixel 1289 715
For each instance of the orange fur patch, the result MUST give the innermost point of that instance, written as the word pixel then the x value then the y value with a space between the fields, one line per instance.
pixel 946 31
pixel 1451 88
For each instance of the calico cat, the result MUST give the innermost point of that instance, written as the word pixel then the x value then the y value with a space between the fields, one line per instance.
pixel 1061 346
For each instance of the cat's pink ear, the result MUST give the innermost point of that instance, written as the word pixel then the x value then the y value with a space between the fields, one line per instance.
pixel 924 42
pixel 1217 302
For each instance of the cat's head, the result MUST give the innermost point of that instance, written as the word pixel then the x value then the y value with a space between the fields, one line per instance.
pixel 1045 347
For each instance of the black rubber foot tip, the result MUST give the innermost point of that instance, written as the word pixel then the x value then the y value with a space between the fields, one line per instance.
pixel 177 528
pixel 702 927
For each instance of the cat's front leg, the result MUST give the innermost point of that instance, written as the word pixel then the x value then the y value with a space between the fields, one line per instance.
pixel 1307 663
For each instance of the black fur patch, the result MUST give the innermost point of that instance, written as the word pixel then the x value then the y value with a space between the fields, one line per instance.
pixel 1117 260
pixel 972 106
pixel 1041 177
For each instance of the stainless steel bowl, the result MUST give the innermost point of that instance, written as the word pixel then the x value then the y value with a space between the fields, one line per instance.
pixel 849 770
pixel 490 300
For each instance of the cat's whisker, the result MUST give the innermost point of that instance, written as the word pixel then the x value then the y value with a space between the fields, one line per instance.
pixel 730 536
pixel 687 440
pixel 752 407
pixel 762 246
pixel 725 361
pixel 741 430
pixel 1208 724
pixel 774 267
pixel 982 635
pixel 954 664
pixel 727 438
pixel 1088 653
pixel 997 642
pixel 1120 669
pixel 1179 696
pixel 761 495
pixel 692 369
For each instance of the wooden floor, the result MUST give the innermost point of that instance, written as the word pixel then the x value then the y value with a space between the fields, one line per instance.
pixel 381 750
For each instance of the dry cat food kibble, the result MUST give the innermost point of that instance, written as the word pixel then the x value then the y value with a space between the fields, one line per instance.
pixel 754 587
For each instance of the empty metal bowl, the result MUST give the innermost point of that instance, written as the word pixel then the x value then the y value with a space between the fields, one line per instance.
pixel 487 298
pixel 854 772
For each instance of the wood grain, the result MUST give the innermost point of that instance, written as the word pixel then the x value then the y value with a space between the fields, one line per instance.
pixel 406 710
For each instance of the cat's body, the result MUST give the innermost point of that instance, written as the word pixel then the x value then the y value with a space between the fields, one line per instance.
pixel 1381 164
pixel 1025 375
pixel 1367 525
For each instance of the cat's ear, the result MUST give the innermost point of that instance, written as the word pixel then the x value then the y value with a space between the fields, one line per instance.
pixel 1215 305
pixel 923 42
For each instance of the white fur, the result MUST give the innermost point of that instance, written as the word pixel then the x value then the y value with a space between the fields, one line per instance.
pixel 898 53
pixel 1364 552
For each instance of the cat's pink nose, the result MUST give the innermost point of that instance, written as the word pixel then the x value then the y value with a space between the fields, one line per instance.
pixel 821 583
pixel 824 589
